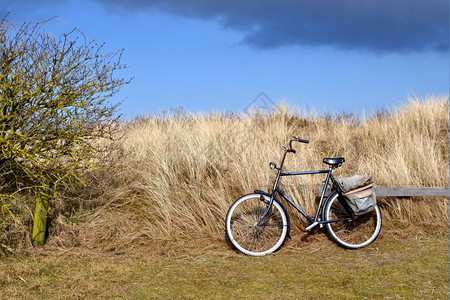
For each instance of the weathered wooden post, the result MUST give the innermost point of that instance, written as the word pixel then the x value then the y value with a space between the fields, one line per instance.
pixel 43 196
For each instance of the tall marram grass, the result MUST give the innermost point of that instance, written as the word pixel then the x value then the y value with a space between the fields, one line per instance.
pixel 179 173
pixel 173 176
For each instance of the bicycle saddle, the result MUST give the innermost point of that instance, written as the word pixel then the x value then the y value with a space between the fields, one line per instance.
pixel 334 161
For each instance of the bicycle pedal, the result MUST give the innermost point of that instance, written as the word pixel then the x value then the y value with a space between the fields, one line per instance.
pixel 311 226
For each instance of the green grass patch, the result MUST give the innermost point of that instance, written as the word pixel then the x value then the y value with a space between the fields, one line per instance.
pixel 409 268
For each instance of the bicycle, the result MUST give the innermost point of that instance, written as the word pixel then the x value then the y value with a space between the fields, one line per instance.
pixel 258 224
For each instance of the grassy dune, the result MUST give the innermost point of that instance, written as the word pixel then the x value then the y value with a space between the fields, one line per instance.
pixel 178 174
pixel 170 178
pixel 150 225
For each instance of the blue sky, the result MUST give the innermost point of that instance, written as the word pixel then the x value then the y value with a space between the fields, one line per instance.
pixel 325 55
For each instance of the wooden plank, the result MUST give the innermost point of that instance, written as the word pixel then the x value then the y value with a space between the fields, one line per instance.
pixel 405 192
pixel 409 192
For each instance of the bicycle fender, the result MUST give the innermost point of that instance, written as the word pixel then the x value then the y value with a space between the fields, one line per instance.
pixel 259 192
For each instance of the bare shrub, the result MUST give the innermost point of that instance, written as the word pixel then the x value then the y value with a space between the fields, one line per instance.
pixel 54 109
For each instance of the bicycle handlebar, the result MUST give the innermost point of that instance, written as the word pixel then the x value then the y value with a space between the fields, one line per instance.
pixel 296 138
pixel 289 150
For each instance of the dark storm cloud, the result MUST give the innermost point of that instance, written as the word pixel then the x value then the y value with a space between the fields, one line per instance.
pixel 374 25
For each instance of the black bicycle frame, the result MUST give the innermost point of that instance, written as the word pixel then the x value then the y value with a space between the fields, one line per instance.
pixel 314 221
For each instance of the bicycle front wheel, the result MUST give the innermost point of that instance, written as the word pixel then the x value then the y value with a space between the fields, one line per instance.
pixel 351 233
pixel 244 232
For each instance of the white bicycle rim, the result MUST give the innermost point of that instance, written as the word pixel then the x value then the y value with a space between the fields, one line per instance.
pixel 353 246
pixel 230 234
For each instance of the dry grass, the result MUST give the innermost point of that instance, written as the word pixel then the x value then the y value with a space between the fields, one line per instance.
pixel 177 174
pixel 181 172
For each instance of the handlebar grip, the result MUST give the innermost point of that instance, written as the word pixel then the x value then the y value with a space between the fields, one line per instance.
pixel 301 140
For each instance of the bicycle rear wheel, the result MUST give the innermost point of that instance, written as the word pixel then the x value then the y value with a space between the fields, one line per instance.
pixel 351 233
pixel 249 237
